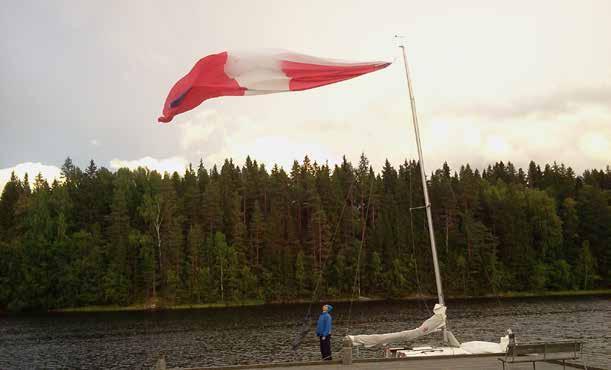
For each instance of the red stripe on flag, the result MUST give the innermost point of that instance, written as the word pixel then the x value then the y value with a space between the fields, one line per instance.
pixel 307 76
pixel 206 80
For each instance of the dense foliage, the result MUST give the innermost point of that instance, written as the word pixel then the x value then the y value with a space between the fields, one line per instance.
pixel 234 234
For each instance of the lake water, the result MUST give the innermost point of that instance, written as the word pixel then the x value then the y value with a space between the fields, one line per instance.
pixel 208 337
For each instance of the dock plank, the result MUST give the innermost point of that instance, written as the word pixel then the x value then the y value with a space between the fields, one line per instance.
pixel 464 363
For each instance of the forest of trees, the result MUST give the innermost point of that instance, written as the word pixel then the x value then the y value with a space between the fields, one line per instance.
pixel 235 234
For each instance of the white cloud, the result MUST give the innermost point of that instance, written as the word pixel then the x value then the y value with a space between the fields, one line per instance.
pixel 596 146
pixel 170 165
pixel 196 131
pixel 497 146
pixel 94 142
pixel 32 169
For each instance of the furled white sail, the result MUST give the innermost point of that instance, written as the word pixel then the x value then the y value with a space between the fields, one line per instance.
pixel 467 348
pixel 433 323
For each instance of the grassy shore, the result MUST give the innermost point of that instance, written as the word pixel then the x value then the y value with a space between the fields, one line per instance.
pixel 149 307
pixel 559 293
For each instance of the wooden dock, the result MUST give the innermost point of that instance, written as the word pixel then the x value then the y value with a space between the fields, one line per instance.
pixel 471 362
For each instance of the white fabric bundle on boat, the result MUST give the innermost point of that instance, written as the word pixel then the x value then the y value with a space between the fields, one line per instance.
pixel 467 348
pixel 479 347
pixel 433 323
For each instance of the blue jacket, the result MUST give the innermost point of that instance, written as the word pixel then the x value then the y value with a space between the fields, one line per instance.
pixel 323 327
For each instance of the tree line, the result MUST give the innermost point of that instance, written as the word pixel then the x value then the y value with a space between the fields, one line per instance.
pixel 233 234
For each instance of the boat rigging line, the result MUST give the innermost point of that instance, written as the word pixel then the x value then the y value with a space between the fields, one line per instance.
pixel 358 258
pixel 305 325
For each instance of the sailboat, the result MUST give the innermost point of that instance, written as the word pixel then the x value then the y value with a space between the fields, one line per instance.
pixel 438 322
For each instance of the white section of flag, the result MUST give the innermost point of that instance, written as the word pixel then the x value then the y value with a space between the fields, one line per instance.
pixel 259 73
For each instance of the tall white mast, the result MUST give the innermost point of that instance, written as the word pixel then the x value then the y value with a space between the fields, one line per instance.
pixel 427 203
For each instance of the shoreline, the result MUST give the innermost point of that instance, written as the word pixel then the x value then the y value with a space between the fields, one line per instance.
pixel 504 295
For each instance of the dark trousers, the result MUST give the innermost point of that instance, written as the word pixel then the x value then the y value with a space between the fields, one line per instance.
pixel 325 347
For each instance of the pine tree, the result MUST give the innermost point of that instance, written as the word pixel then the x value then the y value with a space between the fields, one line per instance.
pixel 570 229
pixel 257 233
pixel 194 261
pixel 151 212
pixel 534 175
pixel 213 218
pixel 116 281
pixel 173 239
pixel 8 205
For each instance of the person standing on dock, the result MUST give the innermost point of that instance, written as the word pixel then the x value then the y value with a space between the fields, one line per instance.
pixel 323 331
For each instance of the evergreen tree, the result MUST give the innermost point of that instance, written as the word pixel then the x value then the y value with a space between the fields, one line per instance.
pixel 257 233
pixel 116 280
pixel 8 205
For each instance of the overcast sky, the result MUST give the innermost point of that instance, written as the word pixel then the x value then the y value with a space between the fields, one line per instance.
pixel 494 80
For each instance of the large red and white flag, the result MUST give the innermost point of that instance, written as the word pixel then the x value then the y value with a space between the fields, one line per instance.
pixel 236 74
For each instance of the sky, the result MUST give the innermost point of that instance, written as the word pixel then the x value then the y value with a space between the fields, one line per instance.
pixel 494 81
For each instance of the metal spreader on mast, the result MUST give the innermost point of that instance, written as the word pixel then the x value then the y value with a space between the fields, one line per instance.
pixel 427 203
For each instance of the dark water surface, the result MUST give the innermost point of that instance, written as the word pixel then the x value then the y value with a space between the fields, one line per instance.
pixel 229 336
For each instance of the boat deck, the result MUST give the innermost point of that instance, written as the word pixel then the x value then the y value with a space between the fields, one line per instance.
pixel 485 362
